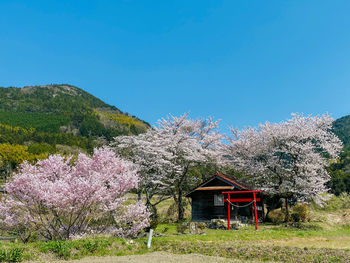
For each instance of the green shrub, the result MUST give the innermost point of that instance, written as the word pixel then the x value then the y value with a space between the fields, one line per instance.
pixel 338 202
pixel 2 255
pixel 60 248
pixel 11 255
pixel 39 148
pixel 300 213
pixel 277 216
pixel 331 202
pixel 15 254
pixel 91 246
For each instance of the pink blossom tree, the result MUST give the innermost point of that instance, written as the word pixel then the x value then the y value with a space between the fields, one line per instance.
pixel 59 198
pixel 287 158
pixel 168 152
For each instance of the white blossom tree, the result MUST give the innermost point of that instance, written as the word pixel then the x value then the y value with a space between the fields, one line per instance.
pixel 167 152
pixel 149 155
pixel 287 158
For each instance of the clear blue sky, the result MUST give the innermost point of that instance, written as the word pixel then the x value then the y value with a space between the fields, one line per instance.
pixel 245 62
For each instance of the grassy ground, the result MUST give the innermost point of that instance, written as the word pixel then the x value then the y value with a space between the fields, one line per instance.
pixel 311 236
pixel 326 238
pixel 269 243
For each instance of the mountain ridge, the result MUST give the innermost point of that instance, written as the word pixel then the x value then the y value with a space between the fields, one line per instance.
pixel 62 111
pixel 341 127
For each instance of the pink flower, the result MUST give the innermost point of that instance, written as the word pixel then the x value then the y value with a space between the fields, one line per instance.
pixel 58 198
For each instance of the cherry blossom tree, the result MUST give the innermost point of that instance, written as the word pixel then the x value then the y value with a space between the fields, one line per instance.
pixel 59 198
pixel 149 155
pixel 287 158
pixel 169 151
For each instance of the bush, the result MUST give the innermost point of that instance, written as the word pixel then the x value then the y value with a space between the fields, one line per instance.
pixel 338 202
pixel 60 248
pixel 2 255
pixel 330 202
pixel 277 216
pixel 300 213
pixel 15 254
pixel 12 255
pixel 90 246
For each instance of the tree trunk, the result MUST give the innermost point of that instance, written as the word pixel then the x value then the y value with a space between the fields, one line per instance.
pixel 180 207
pixel 154 212
pixel 287 211
pixel 139 195
pixel 152 208
pixel 180 183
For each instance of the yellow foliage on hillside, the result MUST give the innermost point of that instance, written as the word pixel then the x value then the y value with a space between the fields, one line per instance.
pixel 16 129
pixel 15 154
pixel 122 119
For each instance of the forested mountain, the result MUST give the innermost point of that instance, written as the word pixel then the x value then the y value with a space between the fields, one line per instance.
pixel 341 128
pixel 67 109
pixel 38 120
pixel 340 171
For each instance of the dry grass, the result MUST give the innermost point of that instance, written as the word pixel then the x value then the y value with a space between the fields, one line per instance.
pixel 159 257
pixel 338 242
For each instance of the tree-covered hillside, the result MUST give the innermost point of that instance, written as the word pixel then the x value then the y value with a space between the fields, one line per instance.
pixel 39 120
pixel 67 109
pixel 341 128
pixel 340 171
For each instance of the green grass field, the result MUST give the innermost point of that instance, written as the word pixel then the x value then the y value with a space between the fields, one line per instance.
pixel 269 243
pixel 325 238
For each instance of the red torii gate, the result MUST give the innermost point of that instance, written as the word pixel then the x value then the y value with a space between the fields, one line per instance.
pixel 239 200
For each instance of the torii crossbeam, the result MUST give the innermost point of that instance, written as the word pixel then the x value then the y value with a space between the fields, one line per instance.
pixel 240 200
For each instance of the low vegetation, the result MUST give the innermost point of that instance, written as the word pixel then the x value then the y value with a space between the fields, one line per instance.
pixel 270 243
pixel 325 237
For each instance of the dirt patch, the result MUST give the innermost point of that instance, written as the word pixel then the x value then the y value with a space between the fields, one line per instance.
pixel 159 257
pixel 313 242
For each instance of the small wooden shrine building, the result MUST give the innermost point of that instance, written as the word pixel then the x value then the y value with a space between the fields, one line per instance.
pixel 210 200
